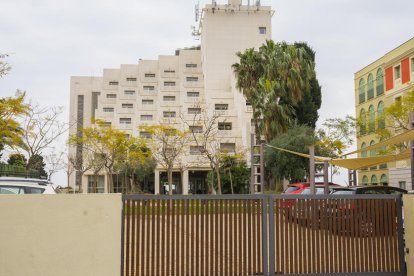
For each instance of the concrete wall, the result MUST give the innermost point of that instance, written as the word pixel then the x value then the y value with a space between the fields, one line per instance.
pixel 408 201
pixel 44 235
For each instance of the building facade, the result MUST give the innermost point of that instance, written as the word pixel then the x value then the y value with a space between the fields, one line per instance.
pixel 378 85
pixel 153 91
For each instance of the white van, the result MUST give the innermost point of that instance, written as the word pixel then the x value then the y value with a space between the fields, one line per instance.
pixel 16 185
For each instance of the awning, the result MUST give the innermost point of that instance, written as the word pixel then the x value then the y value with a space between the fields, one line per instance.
pixel 399 138
pixel 358 163
pixel 355 163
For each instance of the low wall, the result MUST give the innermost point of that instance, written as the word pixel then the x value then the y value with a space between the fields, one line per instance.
pixel 60 235
pixel 408 201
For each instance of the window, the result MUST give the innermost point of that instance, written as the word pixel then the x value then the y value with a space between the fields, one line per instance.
pixel 127 135
pixel 224 126
pixel 383 180
pixel 146 117
pixel 361 91
pixel 149 88
pixel 397 72
pixel 262 30
pixel 192 78
pixel 169 71
pixel 374 180
pixel 221 106
pixel 110 96
pixel 145 135
pixel 169 83
pixel 169 98
pixel 196 129
pixel 147 101
pixel 113 83
pixel 96 184
pixel 364 154
pixel 131 79
pixel 194 110
pixel 402 184
pixel 371 118
pixel 372 153
pixel 398 99
pixel 127 105
pixel 191 65
pixel 370 87
pixel 169 114
pixel 106 123
pixel 365 180
pixel 108 109
pixel 196 150
pixel 381 119
pixel 193 94
pixel 228 147
pixel 362 122
pixel 129 92
pixel 126 121
pixel 380 82
pixel 412 64
pixel 149 75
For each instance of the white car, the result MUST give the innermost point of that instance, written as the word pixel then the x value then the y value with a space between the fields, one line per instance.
pixel 15 185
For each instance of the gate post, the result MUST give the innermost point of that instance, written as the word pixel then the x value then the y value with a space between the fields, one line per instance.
pixel 400 223
pixel 272 233
pixel 265 248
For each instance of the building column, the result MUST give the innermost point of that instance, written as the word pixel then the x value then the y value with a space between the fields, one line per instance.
pixel 157 182
pixel 185 182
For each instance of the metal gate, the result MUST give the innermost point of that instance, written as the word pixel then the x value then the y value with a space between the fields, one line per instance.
pixel 262 235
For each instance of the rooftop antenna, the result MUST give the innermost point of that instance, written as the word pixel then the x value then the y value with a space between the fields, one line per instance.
pixel 196 10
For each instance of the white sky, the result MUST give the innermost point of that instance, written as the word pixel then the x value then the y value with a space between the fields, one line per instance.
pixel 53 40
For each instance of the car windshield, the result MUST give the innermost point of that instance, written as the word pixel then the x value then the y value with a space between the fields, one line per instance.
pixel 343 192
pixel 291 189
pixel 318 191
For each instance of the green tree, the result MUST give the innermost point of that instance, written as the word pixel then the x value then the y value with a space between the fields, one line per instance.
pixel 17 159
pixel 284 165
pixel 248 72
pixel 335 136
pixel 307 109
pixel 167 145
pixel 274 80
pixel 36 162
pixel 107 144
pixel 395 119
pixel 4 66
pixel 235 175
pixel 11 109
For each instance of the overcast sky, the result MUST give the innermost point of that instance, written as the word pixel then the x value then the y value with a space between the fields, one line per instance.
pixel 49 41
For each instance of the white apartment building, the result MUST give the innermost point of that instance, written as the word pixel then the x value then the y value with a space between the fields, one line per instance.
pixel 152 90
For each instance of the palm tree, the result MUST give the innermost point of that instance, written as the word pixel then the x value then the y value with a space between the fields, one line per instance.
pixel 248 73
pixel 287 72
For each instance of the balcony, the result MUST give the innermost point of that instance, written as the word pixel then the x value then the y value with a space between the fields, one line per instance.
pixel 126 111
pixel 224 133
pixel 191 84
pixel 221 112
pixel 123 126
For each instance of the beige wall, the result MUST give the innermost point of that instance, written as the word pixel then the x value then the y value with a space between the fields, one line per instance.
pixel 408 201
pixel 44 235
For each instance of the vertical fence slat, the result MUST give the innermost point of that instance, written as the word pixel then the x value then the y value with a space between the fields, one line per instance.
pixel 178 252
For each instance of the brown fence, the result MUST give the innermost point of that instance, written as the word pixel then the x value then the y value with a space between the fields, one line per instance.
pixel 262 235
pixel 342 234
pixel 198 235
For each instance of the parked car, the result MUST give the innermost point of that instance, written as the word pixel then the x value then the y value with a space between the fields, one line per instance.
pixel 368 190
pixel 16 185
pixel 297 188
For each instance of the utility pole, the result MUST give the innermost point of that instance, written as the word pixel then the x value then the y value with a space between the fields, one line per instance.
pixel 312 168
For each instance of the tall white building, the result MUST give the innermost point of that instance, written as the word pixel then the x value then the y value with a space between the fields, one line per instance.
pixel 154 90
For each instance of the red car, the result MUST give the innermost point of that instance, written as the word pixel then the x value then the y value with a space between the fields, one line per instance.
pixel 297 188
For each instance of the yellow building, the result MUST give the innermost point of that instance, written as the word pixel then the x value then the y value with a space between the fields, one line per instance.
pixel 377 86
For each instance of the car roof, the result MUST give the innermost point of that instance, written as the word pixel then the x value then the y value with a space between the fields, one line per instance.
pixel 355 188
pixel 316 184
pixel 26 181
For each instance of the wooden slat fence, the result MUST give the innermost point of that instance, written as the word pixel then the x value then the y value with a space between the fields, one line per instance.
pixel 202 235
pixel 262 235
pixel 336 234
